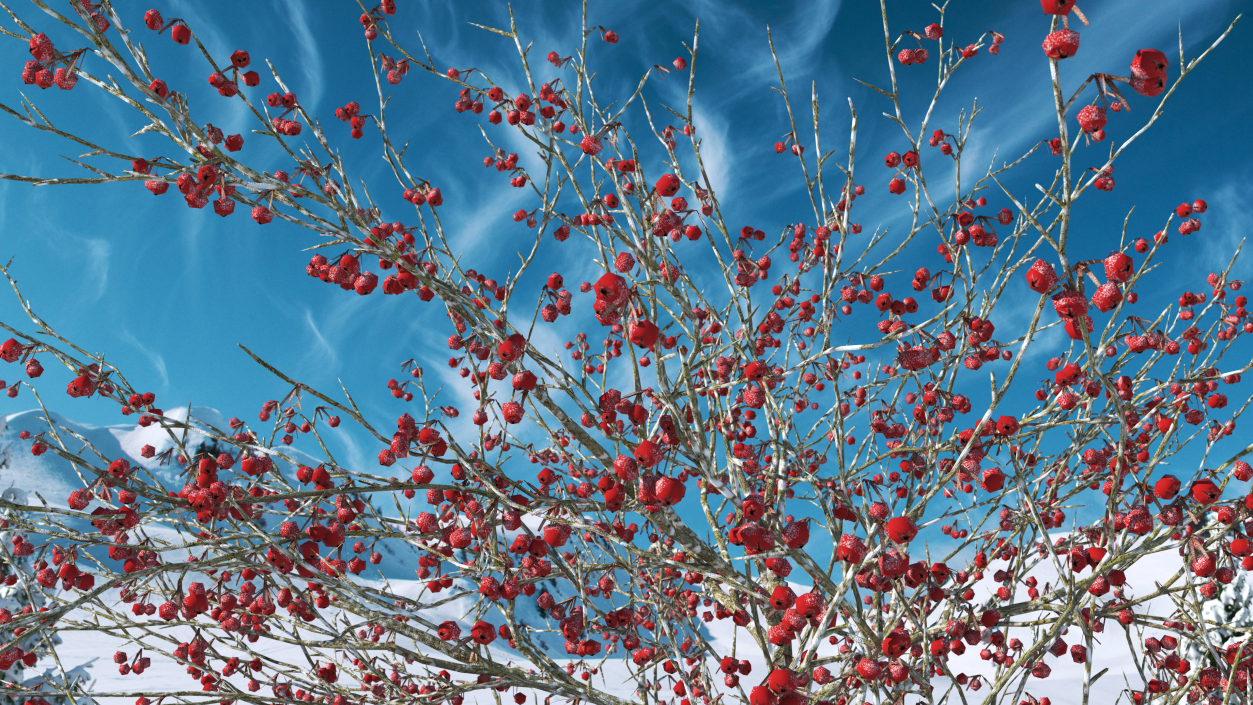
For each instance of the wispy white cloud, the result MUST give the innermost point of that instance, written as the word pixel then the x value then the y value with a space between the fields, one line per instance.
pixel 807 31
pixel 796 36
pixel 1117 31
pixel 203 24
pixel 91 265
pixel 310 57
pixel 157 360
pixel 324 345
pixel 485 223
pixel 98 250
pixel 4 202
pixel 712 131
pixel 189 237
pixel 1230 212
pixel 355 459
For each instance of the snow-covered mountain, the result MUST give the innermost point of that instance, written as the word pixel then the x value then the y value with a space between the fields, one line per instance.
pixel 49 478
pixel 53 478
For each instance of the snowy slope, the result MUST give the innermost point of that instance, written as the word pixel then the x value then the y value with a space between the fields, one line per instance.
pixel 30 479
pixel 53 479
pixel 1063 686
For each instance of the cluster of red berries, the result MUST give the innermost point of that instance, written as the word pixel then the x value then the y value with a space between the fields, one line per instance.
pixel 43 70
pixel 396 70
pixel 1186 212
pixel 179 31
pixel 424 194
pixel 370 20
pixel 350 114
pixel 227 87
pixel 346 273
pixel 919 56
pixel 893 160
pixel 127 666
pixel 520 110
pixel 560 296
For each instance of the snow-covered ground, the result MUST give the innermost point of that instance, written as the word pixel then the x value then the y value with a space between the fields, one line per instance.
pixel 52 479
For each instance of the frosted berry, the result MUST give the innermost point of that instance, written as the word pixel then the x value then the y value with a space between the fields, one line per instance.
pixel 1148 64
pixel 1106 297
pixel 1069 304
pixel 667 185
pixel 1061 44
pixel 41 47
pixel 901 529
pixel 1119 267
pixel 262 215
pixel 1091 118
pixel 1041 277
pixel 590 144
pixel 851 549
pixel 1149 87
pixel 1057 7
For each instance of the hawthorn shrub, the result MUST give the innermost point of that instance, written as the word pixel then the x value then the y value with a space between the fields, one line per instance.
pixel 727 480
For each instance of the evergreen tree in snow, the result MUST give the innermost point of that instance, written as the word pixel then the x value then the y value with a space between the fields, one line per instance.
pixel 1232 608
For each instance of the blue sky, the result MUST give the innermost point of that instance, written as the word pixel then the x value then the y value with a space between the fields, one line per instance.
pixel 168 292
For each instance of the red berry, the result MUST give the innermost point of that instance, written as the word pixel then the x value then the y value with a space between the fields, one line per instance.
pixel 1119 267
pixel 1106 297
pixel 1149 64
pixel 1061 44
pixel 1069 304
pixel 1091 118
pixel 667 185
pixel 1041 277
pixel 1205 491
pixel 590 144
pixel 41 48
pixel 782 597
pixel 1057 7
pixel 993 480
pixel 644 334
pixel 851 549
pixel 901 529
